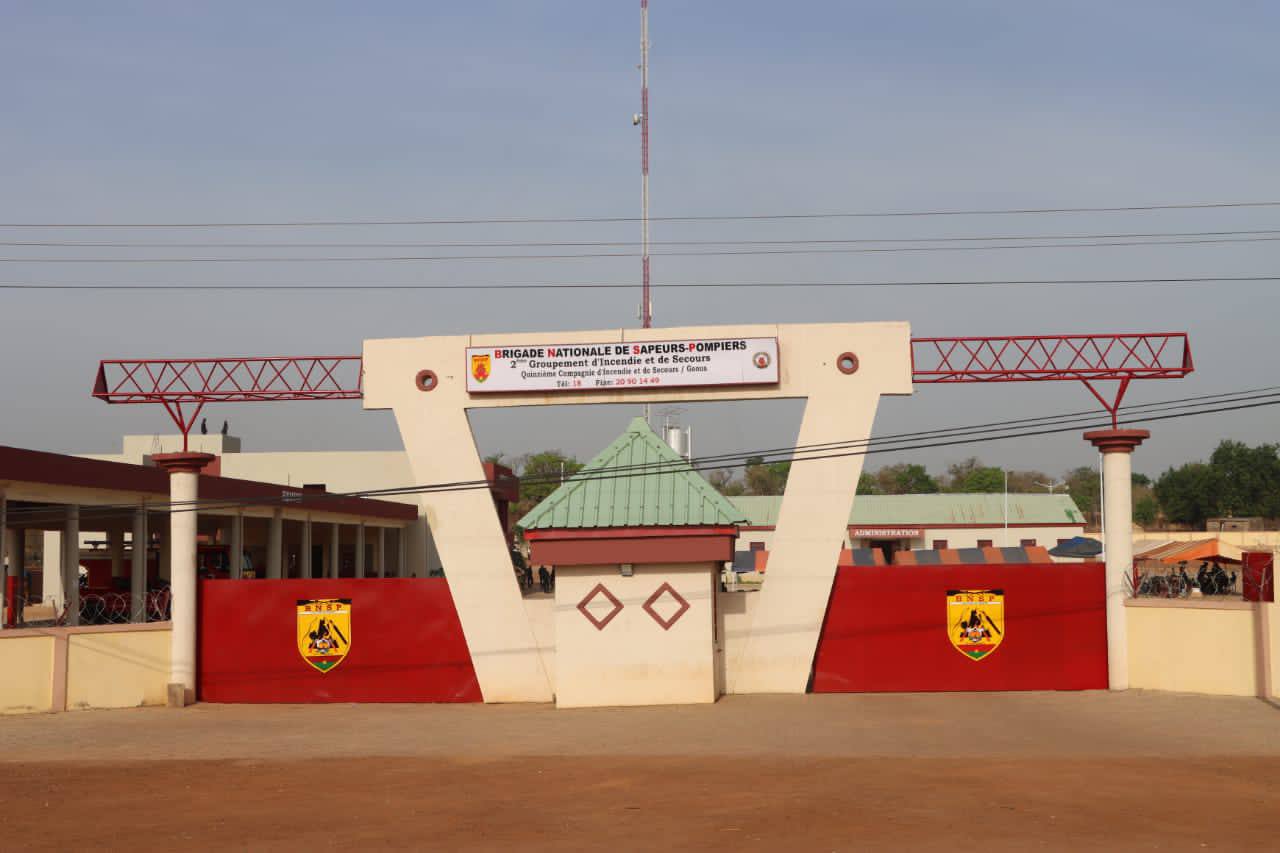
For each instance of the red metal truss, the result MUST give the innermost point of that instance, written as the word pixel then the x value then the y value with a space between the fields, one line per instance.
pixel 184 386
pixel 1039 358
pixel 1025 358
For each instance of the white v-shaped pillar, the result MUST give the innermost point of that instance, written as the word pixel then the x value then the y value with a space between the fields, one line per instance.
pixel 778 654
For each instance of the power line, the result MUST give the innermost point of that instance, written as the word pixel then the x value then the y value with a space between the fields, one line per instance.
pixel 598 255
pixel 798 453
pixel 523 220
pixel 514 244
pixel 263 286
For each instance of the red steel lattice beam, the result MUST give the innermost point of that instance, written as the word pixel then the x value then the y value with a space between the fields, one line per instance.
pixel 1039 358
pixel 185 386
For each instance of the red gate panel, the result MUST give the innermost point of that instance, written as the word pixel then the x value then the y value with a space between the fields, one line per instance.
pixel 406 643
pixel 886 629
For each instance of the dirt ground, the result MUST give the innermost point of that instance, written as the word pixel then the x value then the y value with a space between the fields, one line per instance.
pixel 977 772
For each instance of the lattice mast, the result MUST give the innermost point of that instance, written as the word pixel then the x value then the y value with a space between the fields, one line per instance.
pixel 646 296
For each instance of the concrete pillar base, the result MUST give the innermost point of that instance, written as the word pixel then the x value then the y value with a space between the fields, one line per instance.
pixel 178 696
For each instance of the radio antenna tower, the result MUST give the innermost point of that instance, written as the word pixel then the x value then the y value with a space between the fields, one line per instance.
pixel 642 119
pixel 646 298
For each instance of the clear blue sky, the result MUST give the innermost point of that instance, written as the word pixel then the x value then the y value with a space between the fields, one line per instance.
pixel 249 111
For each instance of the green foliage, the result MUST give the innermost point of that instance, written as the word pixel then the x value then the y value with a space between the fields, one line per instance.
pixel 1028 481
pixel 1085 489
pixel 1189 494
pixel 971 476
pixel 725 483
pixel 1250 478
pixel 1145 510
pixel 868 485
pixel 765 478
pixel 904 479
pixel 540 475
pixel 1238 480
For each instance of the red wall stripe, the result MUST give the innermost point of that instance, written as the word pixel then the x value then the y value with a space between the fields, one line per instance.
pixel 407 644
pixel 886 630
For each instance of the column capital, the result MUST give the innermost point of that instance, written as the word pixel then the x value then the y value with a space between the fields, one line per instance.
pixel 1117 440
pixel 183 463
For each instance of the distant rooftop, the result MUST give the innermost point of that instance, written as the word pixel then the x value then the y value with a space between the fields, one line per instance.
pixel 933 509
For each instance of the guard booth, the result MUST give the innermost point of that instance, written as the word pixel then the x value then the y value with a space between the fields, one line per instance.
pixel 637 540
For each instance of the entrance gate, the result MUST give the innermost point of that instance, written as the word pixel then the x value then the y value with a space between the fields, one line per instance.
pixel 393 640
pixel 903 628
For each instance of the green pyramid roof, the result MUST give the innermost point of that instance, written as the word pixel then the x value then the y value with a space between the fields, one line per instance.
pixel 637 481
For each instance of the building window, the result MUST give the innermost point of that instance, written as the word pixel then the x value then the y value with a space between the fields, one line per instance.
pixel 984 543
pixel 757 546
pixel 1028 543
pixel 939 544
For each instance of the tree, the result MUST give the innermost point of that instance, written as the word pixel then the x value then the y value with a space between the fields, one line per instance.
pixel 905 479
pixel 765 478
pixel 1190 494
pixel 984 481
pixel 540 475
pixel 868 485
pixel 725 483
pixel 953 480
pixel 1249 478
pixel 1144 510
pixel 1027 481
pixel 1140 479
pixel 1084 488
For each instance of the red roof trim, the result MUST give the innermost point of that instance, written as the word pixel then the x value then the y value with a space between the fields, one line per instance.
pixel 58 469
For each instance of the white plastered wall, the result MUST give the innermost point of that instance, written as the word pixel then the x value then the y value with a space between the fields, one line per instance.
pixel 778 652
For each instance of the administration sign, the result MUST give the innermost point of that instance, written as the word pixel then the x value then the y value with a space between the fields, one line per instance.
pixel 638 364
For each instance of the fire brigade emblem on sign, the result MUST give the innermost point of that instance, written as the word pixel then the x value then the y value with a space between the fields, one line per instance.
pixel 480 367
pixel 975 621
pixel 324 631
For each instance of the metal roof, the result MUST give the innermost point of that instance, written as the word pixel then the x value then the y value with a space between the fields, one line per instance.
pixel 637 481
pixel 932 510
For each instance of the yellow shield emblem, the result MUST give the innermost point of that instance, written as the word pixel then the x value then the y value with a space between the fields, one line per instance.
pixel 324 631
pixel 480 367
pixel 975 621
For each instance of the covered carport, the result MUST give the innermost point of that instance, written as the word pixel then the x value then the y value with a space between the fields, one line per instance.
pixel 52 504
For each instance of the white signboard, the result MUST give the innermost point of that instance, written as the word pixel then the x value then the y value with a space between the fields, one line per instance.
pixel 638 364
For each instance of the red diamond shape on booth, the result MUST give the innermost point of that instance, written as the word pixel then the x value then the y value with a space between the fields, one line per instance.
pixel 584 607
pixel 675 597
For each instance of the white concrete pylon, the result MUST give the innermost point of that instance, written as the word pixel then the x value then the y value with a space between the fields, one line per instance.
pixel 51 569
pixel 184 479
pixel 1117 447
pixel 841 369
pixel 360 550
